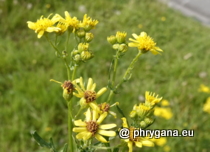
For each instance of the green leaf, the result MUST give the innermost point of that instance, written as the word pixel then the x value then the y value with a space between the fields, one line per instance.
pixel 41 141
pixel 120 111
pixel 64 148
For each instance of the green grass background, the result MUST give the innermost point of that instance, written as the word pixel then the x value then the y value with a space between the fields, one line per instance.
pixel 29 101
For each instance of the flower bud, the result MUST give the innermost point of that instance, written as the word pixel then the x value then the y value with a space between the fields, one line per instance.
pixel 86 55
pixel 115 46
pixel 123 48
pixel 77 57
pixel 143 124
pixel 74 52
pixel 68 89
pixel 80 33
pixel 83 47
pixel 120 36
pixel 132 113
pixel 112 39
pixel 89 37
pixel 148 120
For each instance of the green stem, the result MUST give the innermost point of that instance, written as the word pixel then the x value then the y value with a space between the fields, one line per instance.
pixel 74 72
pixel 70 126
pixel 128 74
pixel 68 69
pixel 67 41
pixel 115 68
pixel 113 76
pixel 80 109
pixel 57 51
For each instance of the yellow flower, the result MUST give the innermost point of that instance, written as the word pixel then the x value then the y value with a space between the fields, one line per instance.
pixel 68 89
pixel 138 141
pixel 159 141
pixel 71 23
pixel 112 39
pixel 88 23
pixel 92 127
pixel 105 107
pixel 140 110
pixel 163 112
pixel 150 98
pixel 204 88
pixel 63 27
pixel 120 36
pixel 165 103
pixel 88 95
pixel 206 106
pixel 144 43
pixel 43 25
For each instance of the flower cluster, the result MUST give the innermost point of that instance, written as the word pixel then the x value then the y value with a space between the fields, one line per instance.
pixel 83 97
pixel 143 114
pixel 59 25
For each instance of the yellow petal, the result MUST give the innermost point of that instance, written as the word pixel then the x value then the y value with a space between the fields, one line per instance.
pixel 81 83
pixel 138 144
pixel 100 92
pixel 113 114
pixel 52 29
pixel 80 123
pixel 107 126
pixel 88 115
pixel 94 106
pixel 81 134
pixel 40 34
pixel 125 125
pixel 31 25
pixel 101 118
pixel 95 115
pixel 130 146
pixel 79 129
pixel 87 136
pixel 107 133
pixel 135 35
pixel 100 138
pixel 90 83
pixel 147 143
pixel 93 87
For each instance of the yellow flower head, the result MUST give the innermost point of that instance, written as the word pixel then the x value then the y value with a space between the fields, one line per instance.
pixel 120 36
pixel 71 23
pixel 144 43
pixel 163 112
pixel 88 23
pixel 92 127
pixel 138 141
pixel 206 106
pixel 204 88
pixel 112 39
pixel 151 99
pixel 88 95
pixel 105 107
pixel 43 25
pixel 140 110
pixel 83 47
pixel 63 27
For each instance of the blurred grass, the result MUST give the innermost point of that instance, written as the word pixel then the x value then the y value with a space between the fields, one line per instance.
pixel 30 102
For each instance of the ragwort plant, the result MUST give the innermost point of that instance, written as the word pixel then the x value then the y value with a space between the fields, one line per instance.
pixel 91 133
